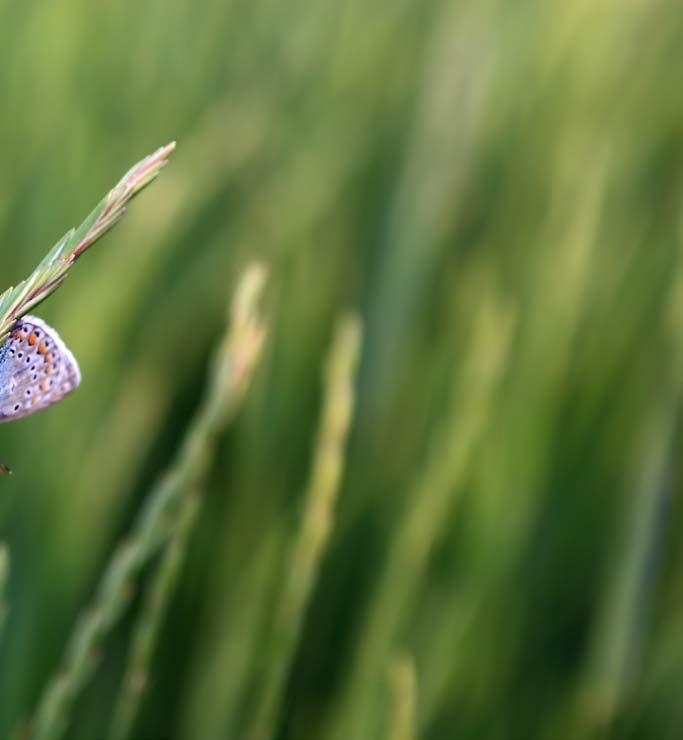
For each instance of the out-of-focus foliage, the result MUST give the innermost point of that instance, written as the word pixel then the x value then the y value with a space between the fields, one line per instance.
pixel 495 187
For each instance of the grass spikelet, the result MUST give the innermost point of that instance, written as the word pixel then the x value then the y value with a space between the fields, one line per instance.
pixel 244 347
pixel 311 543
pixel 434 492
pixel 52 271
pixel 163 516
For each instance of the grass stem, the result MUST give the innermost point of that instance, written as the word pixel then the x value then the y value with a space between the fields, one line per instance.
pixel 403 707
pixel 164 513
pixel 313 537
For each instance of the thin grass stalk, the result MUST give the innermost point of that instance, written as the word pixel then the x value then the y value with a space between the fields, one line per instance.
pixel 52 271
pixel 147 629
pixel 425 518
pixel 623 616
pixel 311 543
pixel 4 575
pixel 403 705
pixel 162 514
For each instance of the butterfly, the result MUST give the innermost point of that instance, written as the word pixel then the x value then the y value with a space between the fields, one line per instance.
pixel 36 370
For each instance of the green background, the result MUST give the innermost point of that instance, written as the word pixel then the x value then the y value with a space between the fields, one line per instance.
pixel 496 188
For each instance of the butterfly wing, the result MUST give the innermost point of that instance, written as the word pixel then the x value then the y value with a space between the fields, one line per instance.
pixel 36 369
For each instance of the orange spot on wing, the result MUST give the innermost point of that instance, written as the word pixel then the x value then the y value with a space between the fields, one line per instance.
pixel 32 339
pixel 43 385
pixel 42 349
pixel 34 400
pixel 20 336
pixel 48 357
pixel 48 370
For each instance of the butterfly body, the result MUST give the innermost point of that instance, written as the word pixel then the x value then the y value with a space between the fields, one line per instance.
pixel 36 369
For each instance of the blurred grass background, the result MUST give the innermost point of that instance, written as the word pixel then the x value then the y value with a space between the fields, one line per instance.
pixel 496 188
